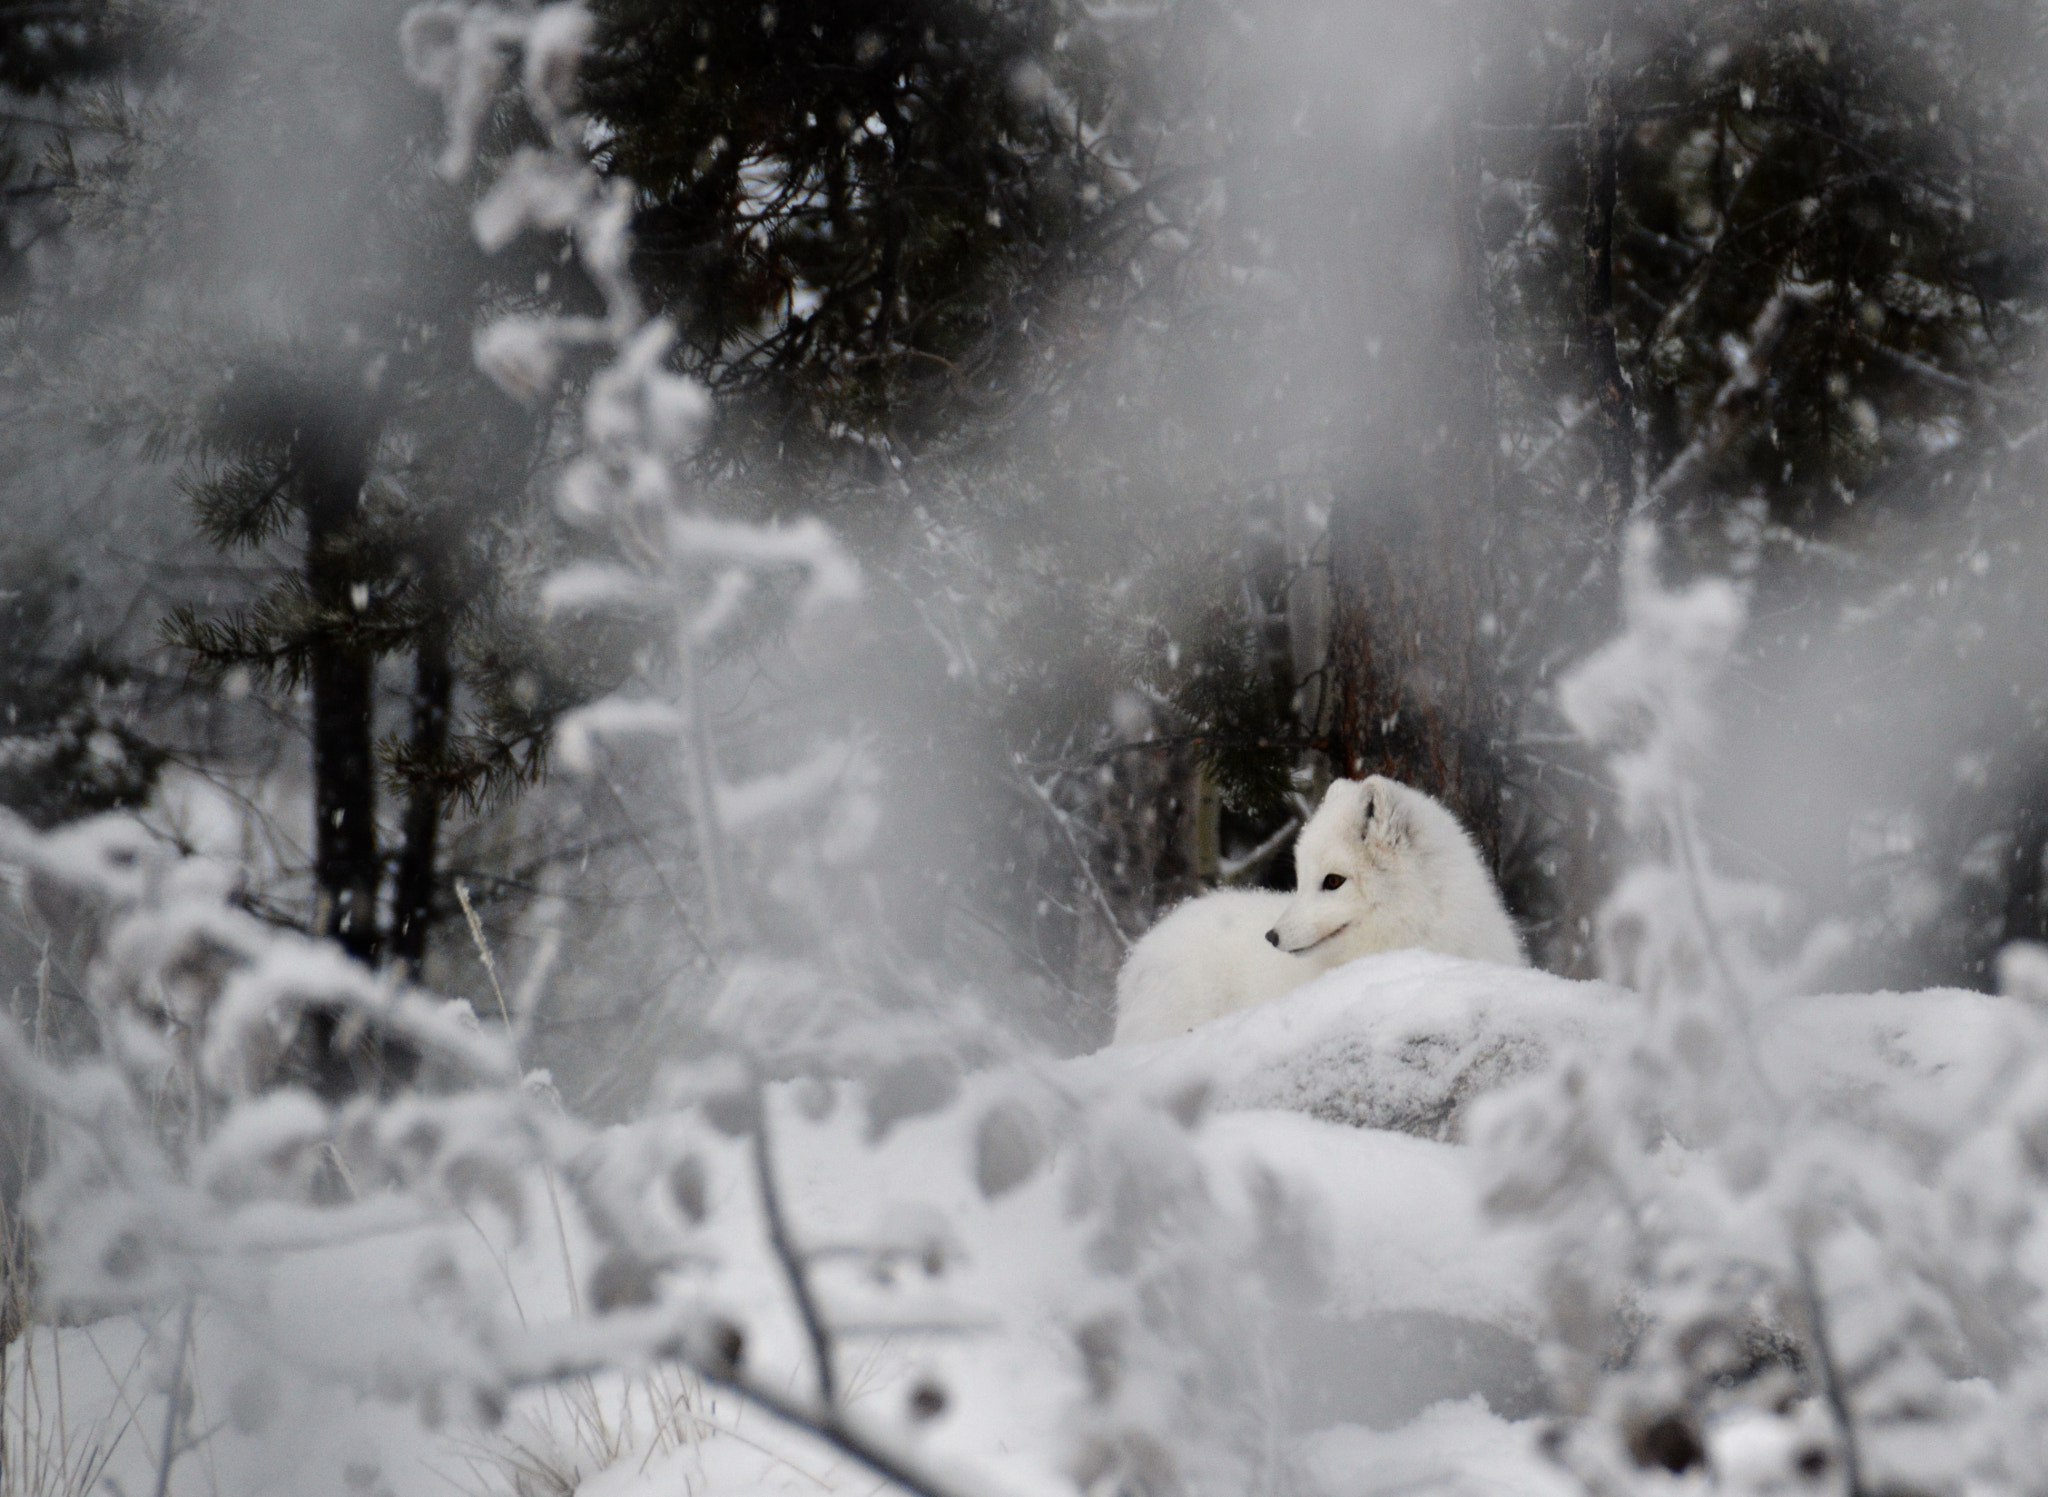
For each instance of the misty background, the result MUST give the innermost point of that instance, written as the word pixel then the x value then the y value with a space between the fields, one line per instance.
pixel 755 548
pixel 1217 398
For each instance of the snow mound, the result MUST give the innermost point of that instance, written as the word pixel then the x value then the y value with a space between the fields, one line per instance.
pixel 1457 1449
pixel 1424 1296
pixel 1401 1041
pixel 1407 1041
pixel 1402 1217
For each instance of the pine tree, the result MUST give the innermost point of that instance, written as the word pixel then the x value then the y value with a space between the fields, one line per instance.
pixel 348 430
pixel 865 216
pixel 1809 233
pixel 47 53
pixel 70 744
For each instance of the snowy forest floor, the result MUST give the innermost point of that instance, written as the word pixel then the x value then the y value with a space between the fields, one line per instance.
pixel 1397 1356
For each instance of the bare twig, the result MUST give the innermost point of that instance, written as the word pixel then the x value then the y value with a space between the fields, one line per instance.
pixel 1614 407
pixel 701 770
pixel 794 1269
pixel 1738 999
pixel 848 1441
pixel 1919 368
pixel 654 864
pixel 1830 1375
pixel 1565 127
pixel 1232 869
pixel 174 1398
pixel 1082 763
pixel 1064 822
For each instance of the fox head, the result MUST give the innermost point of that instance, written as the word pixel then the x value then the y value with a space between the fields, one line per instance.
pixel 1345 860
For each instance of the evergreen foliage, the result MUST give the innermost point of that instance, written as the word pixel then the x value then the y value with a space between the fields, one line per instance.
pixel 345 440
pixel 47 52
pixel 857 210
pixel 69 745
pixel 1826 228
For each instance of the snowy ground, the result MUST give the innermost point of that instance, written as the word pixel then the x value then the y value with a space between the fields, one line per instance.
pixel 1400 1335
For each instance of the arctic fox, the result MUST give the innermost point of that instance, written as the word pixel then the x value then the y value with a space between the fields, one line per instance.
pixel 1380 866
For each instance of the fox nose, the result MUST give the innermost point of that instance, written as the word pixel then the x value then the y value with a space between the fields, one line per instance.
pixel 1272 938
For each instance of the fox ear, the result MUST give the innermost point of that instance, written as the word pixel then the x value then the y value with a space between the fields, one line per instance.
pixel 1380 818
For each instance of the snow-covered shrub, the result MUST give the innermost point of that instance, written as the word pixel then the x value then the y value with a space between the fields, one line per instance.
pixel 1741 1277
pixel 352 1182
pixel 807 990
pixel 1047 1267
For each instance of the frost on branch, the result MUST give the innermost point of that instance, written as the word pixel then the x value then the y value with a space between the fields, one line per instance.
pixel 464 53
pixel 1675 927
pixel 1045 1284
pixel 704 583
pixel 521 356
pixel 820 1036
pixel 1742 1279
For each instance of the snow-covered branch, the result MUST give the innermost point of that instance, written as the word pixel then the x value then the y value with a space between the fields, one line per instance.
pixel 1749 362
pixel 1742 1281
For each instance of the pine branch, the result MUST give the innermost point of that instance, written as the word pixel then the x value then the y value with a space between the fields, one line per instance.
pixel 242 504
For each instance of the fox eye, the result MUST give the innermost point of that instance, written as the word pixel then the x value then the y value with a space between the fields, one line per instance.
pixel 1333 880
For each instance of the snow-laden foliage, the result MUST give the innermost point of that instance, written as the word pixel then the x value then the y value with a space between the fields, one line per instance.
pixel 276 1144
pixel 1739 1275
pixel 1069 1298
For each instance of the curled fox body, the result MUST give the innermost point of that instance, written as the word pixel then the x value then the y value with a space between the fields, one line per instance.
pixel 1379 867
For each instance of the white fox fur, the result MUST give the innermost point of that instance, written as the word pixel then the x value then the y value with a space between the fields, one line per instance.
pixel 1380 866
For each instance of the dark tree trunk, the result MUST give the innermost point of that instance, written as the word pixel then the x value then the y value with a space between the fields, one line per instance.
pixel 1413 679
pixel 335 458
pixel 1412 699
pixel 2026 882
pixel 412 900
pixel 1614 413
pixel 1471 461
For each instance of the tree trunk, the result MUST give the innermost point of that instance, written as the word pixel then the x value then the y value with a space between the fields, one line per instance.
pixel 341 671
pixel 1411 685
pixel 412 900
pixel 1471 461
pixel 1614 413
pixel 1412 673
pixel 2026 881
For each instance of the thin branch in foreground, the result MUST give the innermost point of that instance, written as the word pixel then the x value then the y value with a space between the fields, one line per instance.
pixel 848 1441
pixel 1233 869
pixel 1082 763
pixel 689 926
pixel 174 1398
pixel 792 1264
pixel 1830 1376
pixel 1613 401
pixel 1938 377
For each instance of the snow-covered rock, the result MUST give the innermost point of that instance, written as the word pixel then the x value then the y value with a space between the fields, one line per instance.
pixel 1400 1041
pixel 1406 1041
pixel 1453 1448
pixel 1426 1298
